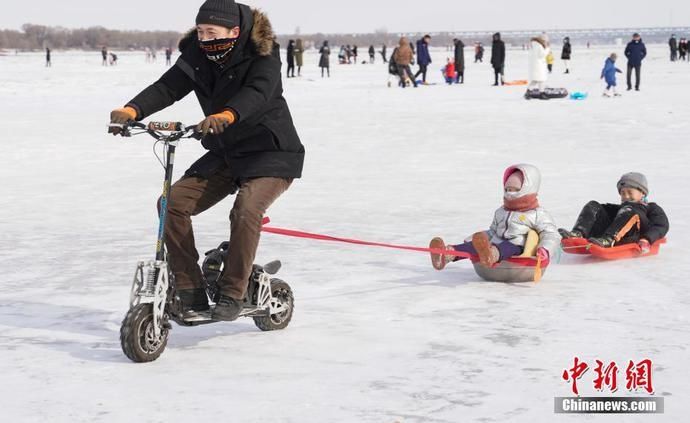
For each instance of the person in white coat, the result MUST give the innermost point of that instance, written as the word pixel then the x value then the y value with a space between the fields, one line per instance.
pixel 538 68
pixel 512 222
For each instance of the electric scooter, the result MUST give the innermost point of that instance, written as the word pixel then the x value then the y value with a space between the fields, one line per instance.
pixel 153 301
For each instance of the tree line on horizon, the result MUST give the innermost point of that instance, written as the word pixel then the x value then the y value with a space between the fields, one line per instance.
pixel 36 37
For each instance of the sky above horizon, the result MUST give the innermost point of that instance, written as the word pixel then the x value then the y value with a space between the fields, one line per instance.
pixel 359 16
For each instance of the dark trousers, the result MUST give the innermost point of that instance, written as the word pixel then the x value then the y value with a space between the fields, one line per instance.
pixel 191 196
pixel 637 75
pixel 460 73
pixel 421 71
pixel 291 70
pixel 405 73
pixel 606 220
pixel 506 249
pixel 498 74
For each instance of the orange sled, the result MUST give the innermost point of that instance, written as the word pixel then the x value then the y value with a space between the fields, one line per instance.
pixel 518 82
pixel 575 246
pixel 625 251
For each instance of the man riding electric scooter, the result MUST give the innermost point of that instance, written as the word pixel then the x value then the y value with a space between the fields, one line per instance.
pixel 253 148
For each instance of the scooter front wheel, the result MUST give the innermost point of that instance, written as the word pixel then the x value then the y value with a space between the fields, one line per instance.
pixel 137 337
pixel 282 294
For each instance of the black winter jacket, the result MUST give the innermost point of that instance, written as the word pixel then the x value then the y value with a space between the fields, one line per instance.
pixel 658 223
pixel 459 56
pixel 263 141
pixel 498 52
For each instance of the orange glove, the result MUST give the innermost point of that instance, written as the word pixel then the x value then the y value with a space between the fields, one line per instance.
pixel 217 123
pixel 121 116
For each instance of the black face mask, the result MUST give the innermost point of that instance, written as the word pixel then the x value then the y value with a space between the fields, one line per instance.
pixel 218 50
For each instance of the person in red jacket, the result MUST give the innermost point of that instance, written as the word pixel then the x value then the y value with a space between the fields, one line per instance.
pixel 449 72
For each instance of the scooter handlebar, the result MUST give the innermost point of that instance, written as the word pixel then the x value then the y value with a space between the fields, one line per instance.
pixel 153 128
pixel 166 126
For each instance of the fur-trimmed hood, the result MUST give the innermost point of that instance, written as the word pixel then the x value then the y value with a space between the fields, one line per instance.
pixel 259 28
pixel 541 40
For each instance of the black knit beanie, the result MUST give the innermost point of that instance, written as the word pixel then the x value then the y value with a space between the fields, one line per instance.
pixel 219 12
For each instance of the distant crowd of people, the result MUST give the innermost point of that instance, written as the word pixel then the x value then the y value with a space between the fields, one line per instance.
pixel 540 62
pixel 679 48
pixel 105 55
pixel 408 54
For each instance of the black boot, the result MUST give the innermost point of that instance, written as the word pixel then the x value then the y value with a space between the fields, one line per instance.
pixel 605 241
pixel 194 301
pixel 227 309
pixel 565 234
pixel 595 218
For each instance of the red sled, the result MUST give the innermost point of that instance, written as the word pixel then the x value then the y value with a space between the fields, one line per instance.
pixel 575 246
pixel 625 251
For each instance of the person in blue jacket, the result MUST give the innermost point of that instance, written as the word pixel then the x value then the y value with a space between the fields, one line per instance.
pixel 423 57
pixel 635 52
pixel 609 74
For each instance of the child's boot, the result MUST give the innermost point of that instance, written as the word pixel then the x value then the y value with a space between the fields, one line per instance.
pixel 605 241
pixel 565 234
pixel 439 261
pixel 488 253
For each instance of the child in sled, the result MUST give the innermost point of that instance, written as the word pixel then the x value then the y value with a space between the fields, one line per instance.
pixel 635 220
pixel 609 74
pixel 507 235
pixel 449 72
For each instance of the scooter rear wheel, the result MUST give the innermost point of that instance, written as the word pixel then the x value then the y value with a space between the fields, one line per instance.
pixel 282 292
pixel 137 337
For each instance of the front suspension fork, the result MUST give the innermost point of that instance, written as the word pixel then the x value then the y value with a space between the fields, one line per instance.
pixel 150 285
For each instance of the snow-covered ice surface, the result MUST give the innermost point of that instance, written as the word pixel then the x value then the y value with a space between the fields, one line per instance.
pixel 377 335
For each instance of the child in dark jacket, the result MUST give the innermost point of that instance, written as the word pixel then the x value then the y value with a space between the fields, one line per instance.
pixel 635 220
pixel 609 74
